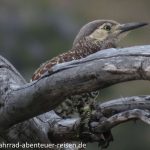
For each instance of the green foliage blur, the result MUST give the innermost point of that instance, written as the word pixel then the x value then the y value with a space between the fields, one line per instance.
pixel 34 31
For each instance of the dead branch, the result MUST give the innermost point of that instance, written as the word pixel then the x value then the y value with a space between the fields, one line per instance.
pixel 21 101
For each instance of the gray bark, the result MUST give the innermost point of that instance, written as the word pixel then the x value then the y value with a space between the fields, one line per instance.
pixel 25 108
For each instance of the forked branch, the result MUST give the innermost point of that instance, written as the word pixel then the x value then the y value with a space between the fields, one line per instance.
pixel 21 101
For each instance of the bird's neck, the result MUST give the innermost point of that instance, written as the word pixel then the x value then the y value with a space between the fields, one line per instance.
pixel 87 47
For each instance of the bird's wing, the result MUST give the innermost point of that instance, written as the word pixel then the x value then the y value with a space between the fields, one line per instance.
pixel 65 57
pixel 42 69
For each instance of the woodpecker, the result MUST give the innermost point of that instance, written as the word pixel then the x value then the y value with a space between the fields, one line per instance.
pixel 92 37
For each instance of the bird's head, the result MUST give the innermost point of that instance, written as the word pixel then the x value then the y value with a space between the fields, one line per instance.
pixel 104 33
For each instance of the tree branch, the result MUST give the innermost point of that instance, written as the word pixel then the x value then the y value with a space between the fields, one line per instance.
pixel 97 71
pixel 20 101
pixel 116 112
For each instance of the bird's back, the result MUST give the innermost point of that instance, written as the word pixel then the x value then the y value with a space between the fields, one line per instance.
pixel 72 104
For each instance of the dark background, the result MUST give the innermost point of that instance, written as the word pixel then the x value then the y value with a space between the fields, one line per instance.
pixel 34 31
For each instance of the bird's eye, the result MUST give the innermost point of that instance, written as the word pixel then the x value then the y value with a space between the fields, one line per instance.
pixel 107 27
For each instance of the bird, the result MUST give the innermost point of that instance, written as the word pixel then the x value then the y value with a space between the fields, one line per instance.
pixel 94 36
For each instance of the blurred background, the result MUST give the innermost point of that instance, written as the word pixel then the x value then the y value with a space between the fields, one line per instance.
pixel 34 31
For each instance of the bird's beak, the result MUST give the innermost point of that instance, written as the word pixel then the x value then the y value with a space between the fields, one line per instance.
pixel 131 26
